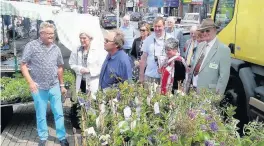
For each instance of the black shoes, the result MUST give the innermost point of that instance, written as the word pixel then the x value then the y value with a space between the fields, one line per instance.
pixel 42 143
pixel 64 142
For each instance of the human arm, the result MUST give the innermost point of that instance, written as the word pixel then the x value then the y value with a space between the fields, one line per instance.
pixel 224 70
pixel 142 66
pixel 73 62
pixel 134 49
pixel 60 64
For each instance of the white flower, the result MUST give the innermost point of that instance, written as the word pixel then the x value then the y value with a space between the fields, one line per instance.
pixel 127 112
pixel 90 131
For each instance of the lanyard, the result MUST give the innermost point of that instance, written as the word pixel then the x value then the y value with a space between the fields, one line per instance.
pixel 162 48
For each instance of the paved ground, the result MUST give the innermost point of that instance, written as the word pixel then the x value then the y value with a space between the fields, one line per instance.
pixel 21 130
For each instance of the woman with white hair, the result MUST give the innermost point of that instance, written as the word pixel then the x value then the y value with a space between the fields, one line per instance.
pixel 87 61
pixel 176 33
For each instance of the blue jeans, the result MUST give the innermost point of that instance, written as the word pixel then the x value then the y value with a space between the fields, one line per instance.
pixel 41 99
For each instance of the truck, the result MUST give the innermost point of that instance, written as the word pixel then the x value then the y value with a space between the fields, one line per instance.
pixel 240 29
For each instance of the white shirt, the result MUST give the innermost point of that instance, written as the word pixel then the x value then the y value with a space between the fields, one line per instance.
pixel 206 49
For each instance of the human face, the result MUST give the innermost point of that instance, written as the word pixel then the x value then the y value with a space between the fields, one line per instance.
pixel 170 24
pixel 208 34
pixel 47 35
pixel 159 29
pixel 85 40
pixel 126 22
pixel 170 52
pixel 109 42
pixel 193 34
pixel 143 32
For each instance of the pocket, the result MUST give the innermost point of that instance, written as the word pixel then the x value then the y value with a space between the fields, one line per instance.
pixel 211 86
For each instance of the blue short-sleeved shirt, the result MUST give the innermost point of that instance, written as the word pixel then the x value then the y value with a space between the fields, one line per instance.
pixel 129 33
pixel 150 44
pixel 116 69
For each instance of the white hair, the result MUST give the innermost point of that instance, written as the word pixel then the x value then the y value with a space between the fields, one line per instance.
pixel 86 34
pixel 171 19
pixel 45 25
pixel 126 17
pixel 194 28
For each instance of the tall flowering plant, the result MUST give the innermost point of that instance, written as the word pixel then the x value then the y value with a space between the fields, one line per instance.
pixel 133 114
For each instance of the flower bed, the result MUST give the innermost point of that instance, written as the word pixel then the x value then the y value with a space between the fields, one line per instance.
pixel 16 89
pixel 133 115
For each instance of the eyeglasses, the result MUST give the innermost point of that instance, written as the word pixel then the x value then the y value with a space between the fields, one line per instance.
pixel 107 40
pixel 142 30
pixel 207 31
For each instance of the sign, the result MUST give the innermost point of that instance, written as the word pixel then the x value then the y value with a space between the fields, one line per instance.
pixel 171 3
pixel 197 2
pixel 155 3
pixel 129 4
pixel 187 1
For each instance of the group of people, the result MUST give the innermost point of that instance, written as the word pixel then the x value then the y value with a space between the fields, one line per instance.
pixel 162 57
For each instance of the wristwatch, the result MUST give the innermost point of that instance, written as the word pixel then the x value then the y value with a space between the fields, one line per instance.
pixel 62 85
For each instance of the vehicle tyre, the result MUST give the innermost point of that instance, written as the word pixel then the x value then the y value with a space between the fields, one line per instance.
pixel 6 116
pixel 235 95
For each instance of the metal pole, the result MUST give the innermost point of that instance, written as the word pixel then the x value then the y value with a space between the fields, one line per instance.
pixel 117 15
pixel 85 5
pixel 14 44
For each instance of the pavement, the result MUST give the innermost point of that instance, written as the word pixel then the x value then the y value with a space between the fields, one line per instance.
pixel 21 130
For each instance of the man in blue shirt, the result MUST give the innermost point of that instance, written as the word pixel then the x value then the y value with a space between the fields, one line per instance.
pixel 129 34
pixel 117 67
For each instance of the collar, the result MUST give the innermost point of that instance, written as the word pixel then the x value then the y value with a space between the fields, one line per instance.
pixel 211 43
pixel 160 38
pixel 115 55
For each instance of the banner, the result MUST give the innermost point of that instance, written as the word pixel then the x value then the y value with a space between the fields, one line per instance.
pixel 197 2
pixel 171 3
pixel 187 1
pixel 155 3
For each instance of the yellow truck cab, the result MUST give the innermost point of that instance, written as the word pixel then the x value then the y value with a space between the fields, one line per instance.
pixel 241 28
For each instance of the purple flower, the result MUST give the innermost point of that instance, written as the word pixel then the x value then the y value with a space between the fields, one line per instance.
pixel 174 138
pixel 214 126
pixel 203 127
pixel 209 143
pixel 191 114
pixel 222 144
pixel 118 96
pixel 81 101
pixel 209 118
pixel 87 105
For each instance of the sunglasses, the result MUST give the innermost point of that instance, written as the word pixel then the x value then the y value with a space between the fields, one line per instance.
pixel 142 30
pixel 207 31
pixel 107 40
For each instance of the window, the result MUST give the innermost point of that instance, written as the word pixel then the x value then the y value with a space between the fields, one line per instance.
pixel 224 12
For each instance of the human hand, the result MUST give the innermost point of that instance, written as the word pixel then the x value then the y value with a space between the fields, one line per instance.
pixel 63 91
pixel 33 87
pixel 84 70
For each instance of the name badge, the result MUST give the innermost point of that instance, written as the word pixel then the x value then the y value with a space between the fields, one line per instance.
pixel 213 66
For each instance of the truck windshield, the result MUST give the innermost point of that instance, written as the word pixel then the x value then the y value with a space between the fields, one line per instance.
pixel 224 12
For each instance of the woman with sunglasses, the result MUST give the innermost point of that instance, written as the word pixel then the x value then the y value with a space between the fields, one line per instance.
pixel 136 47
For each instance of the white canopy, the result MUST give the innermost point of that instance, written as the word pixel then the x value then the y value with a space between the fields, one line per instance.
pixel 70 25
pixel 29 10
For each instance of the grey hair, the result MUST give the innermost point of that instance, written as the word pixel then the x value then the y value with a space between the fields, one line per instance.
pixel 119 38
pixel 172 43
pixel 126 17
pixel 86 34
pixel 171 19
pixel 44 25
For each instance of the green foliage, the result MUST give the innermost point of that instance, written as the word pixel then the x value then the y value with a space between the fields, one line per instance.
pixel 182 120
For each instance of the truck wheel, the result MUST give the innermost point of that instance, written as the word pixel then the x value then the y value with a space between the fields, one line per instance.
pixel 235 95
pixel 6 116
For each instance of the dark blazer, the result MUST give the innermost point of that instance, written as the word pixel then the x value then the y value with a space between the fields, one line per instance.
pixel 135 51
pixel 179 74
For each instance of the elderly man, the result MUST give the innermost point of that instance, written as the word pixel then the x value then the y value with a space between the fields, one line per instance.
pixel 153 52
pixel 42 66
pixel 190 45
pixel 117 67
pixel 129 34
pixel 176 33
pixel 212 61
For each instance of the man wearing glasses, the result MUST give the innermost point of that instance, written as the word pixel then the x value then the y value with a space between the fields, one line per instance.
pixel 117 67
pixel 42 66
pixel 212 61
